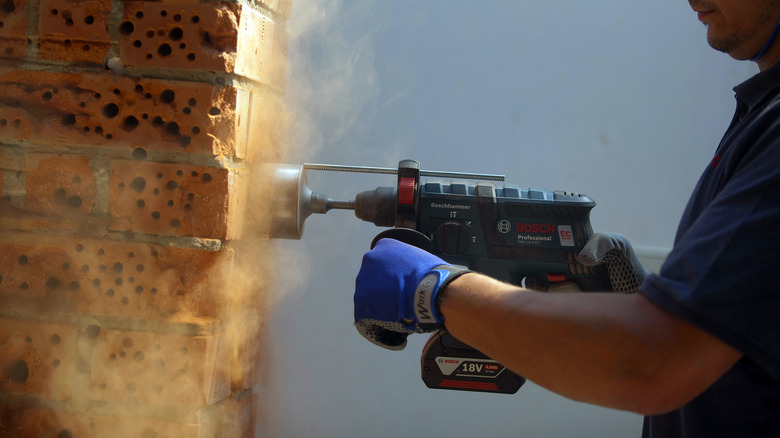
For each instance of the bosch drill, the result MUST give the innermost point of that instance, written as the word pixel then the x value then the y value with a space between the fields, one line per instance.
pixel 524 236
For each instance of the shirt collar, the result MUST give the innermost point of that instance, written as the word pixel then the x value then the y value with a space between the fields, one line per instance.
pixel 755 89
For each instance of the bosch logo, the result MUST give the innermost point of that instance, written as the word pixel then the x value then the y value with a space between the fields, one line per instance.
pixel 504 226
pixel 529 227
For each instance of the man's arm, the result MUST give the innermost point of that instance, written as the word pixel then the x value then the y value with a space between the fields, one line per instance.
pixel 614 350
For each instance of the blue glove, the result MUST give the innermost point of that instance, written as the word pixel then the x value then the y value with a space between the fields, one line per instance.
pixel 396 291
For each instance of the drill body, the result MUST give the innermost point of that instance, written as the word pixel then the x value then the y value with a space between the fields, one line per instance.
pixel 525 236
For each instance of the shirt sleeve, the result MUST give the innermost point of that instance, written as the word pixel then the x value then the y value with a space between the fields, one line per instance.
pixel 722 274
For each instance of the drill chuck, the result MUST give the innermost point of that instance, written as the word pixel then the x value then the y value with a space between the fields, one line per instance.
pixel 377 206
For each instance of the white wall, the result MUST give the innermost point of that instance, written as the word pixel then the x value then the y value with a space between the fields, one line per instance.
pixel 621 100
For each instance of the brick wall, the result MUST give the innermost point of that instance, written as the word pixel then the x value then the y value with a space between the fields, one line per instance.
pixel 131 299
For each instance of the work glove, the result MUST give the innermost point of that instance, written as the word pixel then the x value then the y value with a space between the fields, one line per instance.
pixel 613 250
pixel 396 293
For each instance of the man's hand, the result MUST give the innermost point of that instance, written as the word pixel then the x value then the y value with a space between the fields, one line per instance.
pixel 625 271
pixel 396 291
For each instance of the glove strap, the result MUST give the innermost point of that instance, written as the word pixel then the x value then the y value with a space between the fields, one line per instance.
pixel 426 306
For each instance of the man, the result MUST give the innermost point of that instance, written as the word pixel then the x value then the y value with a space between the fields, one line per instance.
pixel 697 349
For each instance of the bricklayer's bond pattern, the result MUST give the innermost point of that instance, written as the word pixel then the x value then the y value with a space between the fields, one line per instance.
pixel 125 132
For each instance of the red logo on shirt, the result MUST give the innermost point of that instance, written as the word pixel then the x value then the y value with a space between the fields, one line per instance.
pixel 715 161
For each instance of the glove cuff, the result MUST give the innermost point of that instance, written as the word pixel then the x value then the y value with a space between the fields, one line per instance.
pixel 426 306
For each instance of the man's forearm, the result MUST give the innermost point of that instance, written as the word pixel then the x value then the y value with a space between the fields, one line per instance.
pixel 619 351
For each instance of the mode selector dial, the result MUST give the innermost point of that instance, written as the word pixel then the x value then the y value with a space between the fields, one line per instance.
pixel 452 237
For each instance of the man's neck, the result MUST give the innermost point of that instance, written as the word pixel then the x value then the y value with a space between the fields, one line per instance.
pixel 771 57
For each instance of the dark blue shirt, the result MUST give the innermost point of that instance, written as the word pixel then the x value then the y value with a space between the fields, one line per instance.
pixel 723 273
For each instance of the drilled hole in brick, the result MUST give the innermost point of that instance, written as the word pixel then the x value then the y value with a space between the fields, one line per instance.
pixel 2 25
pixel 144 116
pixel 139 290
pixel 155 215
pixel 172 128
pixel 164 49
pixel 55 363
pixel 110 110
pixel 174 223
pixel 139 268
pixel 8 6
pixel 171 185
pixel 65 433
pixel 214 111
pixel 93 331
pixel 184 141
pixel 140 203
pixel 195 19
pixel 167 96
pixel 67 43
pixel 156 192
pixel 109 136
pixel 192 102
pixel 3 122
pixel 110 292
pixel 54 339
pixel 138 184
pixel 127 342
pixel 195 130
pixel 153 291
pixel 69 119
pixel 170 203
pixel 96 282
pixel 85 47
pixel 24 286
pixel 130 123
pixel 139 15
pixel 177 17
pixel 47 95
pixel 191 57
pixel 125 300
pixel 139 153
pixel 22 260
pixel 139 356
pixel 74 286
pixel 17 371
pixel 98 129
pixel 117 268
pixel 150 33
pixel 53 283
pixel 176 33
pixel 137 43
pixel 89 19
pixel 187 110
pixel 206 177
pixel 85 268
pixel 158 121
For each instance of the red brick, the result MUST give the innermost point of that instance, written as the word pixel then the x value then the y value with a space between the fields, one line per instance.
pixel 37 358
pixel 44 274
pixel 74 31
pixel 108 110
pixel 212 36
pixel 35 421
pixel 13 23
pixel 175 199
pixel 158 369
pixel 61 187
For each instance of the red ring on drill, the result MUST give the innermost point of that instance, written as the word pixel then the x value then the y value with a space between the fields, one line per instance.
pixel 406 191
